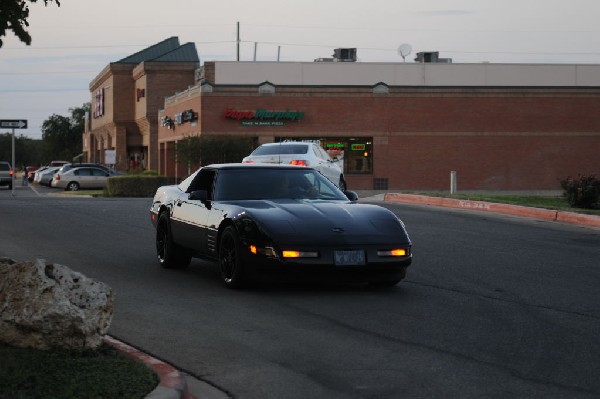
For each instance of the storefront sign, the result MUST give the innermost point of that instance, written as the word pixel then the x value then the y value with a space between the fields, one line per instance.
pixel 358 147
pixel 262 123
pixel 99 103
pixel 179 119
pixel 263 115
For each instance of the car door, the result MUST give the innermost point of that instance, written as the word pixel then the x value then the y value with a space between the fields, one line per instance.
pixel 189 217
pixel 83 176
pixel 99 178
pixel 325 165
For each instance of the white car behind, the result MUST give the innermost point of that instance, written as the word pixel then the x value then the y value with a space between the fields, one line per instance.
pixel 302 154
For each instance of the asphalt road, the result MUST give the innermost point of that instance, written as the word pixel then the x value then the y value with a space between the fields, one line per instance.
pixel 492 307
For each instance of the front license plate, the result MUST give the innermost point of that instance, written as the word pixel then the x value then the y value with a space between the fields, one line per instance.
pixel 349 258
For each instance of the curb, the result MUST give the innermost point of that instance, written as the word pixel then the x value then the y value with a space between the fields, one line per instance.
pixel 172 384
pixel 506 209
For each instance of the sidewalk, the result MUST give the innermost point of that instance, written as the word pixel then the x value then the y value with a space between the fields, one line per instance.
pixel 493 207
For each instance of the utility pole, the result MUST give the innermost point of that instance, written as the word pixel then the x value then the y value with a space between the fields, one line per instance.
pixel 238 41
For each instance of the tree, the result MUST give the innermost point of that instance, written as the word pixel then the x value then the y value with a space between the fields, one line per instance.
pixel 205 150
pixel 13 16
pixel 27 151
pixel 62 135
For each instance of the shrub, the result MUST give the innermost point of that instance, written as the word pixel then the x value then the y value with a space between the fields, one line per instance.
pixel 583 192
pixel 135 185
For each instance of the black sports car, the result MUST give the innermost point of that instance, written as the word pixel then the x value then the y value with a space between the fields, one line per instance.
pixel 262 221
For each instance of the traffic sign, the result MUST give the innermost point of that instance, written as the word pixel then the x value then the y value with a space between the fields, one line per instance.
pixel 13 123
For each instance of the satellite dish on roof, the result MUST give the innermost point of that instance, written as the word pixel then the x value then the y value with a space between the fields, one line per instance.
pixel 404 50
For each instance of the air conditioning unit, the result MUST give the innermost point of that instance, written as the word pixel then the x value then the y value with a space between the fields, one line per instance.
pixel 432 57
pixel 344 55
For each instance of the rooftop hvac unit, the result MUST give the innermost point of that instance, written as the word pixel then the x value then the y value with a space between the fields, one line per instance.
pixel 432 56
pixel 344 54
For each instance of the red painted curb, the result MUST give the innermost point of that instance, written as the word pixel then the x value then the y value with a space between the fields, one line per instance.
pixel 578 218
pixel 170 378
pixel 506 209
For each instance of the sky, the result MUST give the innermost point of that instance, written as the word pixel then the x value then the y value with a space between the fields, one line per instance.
pixel 72 43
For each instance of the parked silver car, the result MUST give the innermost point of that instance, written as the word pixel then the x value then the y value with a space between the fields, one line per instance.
pixel 82 177
pixel 45 176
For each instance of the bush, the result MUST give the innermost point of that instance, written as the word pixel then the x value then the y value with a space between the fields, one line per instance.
pixel 583 192
pixel 141 185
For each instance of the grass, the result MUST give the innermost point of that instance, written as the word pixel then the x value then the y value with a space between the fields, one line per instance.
pixel 91 193
pixel 62 374
pixel 558 203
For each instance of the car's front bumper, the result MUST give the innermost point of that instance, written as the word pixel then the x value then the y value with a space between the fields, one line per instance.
pixel 375 269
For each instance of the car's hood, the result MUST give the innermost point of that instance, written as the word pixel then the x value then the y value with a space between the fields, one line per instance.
pixel 339 222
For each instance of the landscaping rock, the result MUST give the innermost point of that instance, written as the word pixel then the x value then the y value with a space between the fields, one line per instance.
pixel 47 306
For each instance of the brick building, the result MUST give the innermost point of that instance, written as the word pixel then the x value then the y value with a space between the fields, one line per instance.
pixel 406 126
pixel 397 126
pixel 125 98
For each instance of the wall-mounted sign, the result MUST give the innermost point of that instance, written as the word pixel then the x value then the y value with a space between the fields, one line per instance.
pixel 179 119
pixel 262 123
pixel 99 103
pixel 263 115
pixel 139 93
pixel 167 122
pixel 358 147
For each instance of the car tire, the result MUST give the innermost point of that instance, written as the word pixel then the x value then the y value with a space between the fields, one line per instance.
pixel 72 186
pixel 170 255
pixel 230 262
pixel 342 183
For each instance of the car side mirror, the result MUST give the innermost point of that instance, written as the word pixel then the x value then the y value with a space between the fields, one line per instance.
pixel 351 195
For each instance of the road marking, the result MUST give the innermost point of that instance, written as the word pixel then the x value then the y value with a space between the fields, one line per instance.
pixel 34 190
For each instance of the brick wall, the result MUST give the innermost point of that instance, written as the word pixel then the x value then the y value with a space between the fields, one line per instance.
pixel 496 139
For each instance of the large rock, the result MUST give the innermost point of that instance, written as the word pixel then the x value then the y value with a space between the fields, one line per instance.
pixel 48 305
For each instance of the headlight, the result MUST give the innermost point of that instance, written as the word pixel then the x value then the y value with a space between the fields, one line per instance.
pixel 264 251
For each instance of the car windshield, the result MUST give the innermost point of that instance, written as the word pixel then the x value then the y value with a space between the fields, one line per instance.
pixel 4 166
pixel 258 184
pixel 281 149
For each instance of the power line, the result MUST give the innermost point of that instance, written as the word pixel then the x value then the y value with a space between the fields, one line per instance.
pixel 300 45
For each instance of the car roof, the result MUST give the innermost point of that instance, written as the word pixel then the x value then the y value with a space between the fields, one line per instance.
pixel 228 166
pixel 286 143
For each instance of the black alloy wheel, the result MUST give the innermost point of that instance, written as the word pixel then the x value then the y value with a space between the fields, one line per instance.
pixel 170 255
pixel 232 272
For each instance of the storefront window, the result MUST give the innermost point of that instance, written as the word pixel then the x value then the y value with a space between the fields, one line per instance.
pixel 355 155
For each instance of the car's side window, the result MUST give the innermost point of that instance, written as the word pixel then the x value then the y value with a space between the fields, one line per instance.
pixel 203 181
